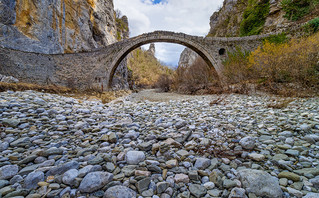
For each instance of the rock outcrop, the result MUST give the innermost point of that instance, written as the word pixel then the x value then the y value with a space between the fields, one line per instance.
pixel 226 21
pixel 60 27
pixel 151 50
pixel 187 58
pixel 52 27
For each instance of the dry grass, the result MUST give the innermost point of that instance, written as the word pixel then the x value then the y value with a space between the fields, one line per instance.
pixel 41 88
pixel 105 97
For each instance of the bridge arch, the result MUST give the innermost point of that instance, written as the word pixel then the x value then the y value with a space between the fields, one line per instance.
pixel 192 42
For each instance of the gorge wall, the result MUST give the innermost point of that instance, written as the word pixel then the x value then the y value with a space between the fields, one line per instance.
pixel 61 27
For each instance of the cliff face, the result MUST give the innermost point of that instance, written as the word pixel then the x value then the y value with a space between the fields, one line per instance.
pixel 57 26
pixel 187 58
pixel 227 21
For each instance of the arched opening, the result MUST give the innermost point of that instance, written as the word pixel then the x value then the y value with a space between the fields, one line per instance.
pixel 222 51
pixel 137 42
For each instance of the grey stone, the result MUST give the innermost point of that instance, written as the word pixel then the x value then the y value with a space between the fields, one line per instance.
pixel 119 192
pixel 8 171
pixel 237 193
pixel 69 177
pixel 312 138
pixel 161 187
pixel 11 122
pixel 227 183
pixel 305 127
pixel 311 195
pixel 197 190
pixel 135 157
pixel 21 142
pixel 260 183
pixel 292 152
pixel 16 179
pixel 28 169
pixel 95 181
pixel 202 163
pixel 3 183
pixel 59 170
pixel 248 142
pixel 4 146
pixel 315 181
pixel 32 179
pixel 143 184
pixel 294 192
pixel 53 151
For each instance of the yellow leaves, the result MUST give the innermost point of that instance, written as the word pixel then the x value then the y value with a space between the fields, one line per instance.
pixel 146 68
pixel 294 61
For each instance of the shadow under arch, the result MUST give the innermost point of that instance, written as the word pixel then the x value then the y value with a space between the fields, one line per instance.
pixel 163 37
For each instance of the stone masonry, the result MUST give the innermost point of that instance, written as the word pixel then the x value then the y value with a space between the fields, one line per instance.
pixel 96 67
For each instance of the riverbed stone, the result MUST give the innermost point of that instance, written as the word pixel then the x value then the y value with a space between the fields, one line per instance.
pixel 94 181
pixel 8 171
pixel 119 192
pixel 260 183
pixel 135 157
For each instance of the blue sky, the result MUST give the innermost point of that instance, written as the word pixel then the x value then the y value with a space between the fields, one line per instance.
pixel 187 16
pixel 156 1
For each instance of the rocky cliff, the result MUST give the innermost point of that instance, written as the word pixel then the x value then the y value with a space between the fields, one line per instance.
pixel 57 26
pixel 227 21
pixel 187 58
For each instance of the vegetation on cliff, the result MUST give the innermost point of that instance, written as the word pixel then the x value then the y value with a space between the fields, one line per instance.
pixel 296 9
pixel 254 17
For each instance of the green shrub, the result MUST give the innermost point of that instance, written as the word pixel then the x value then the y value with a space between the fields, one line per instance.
pixel 254 17
pixel 296 9
pixel 236 67
pixel 277 39
pixel 313 25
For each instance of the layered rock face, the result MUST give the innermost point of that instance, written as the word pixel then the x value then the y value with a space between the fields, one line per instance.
pixel 187 58
pixel 226 21
pixel 57 26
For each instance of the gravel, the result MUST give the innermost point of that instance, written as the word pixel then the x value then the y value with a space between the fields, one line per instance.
pixel 158 145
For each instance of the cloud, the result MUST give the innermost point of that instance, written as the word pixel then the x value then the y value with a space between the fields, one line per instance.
pixel 187 16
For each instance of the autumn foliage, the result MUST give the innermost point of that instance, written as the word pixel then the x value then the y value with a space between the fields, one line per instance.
pixel 294 63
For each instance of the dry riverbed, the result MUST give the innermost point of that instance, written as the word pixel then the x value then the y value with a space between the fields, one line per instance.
pixel 158 145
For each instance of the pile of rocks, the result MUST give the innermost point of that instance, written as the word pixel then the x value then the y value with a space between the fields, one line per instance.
pixel 55 146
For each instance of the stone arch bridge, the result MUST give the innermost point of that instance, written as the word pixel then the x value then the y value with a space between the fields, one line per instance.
pixel 97 67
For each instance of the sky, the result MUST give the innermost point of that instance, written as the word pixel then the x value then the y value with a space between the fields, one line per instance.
pixel 187 16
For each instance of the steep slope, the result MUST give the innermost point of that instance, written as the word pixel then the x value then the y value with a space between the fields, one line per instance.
pixel 57 26
pixel 244 18
pixel 62 26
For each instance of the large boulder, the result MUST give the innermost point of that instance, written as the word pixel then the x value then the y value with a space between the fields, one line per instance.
pixel 94 181
pixel 260 183
pixel 8 171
